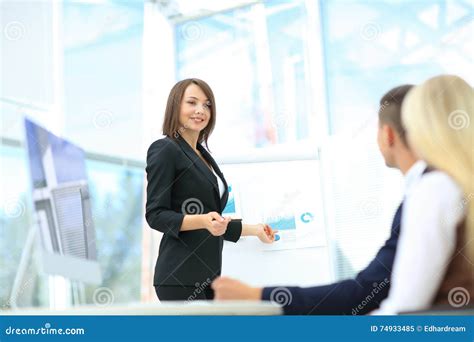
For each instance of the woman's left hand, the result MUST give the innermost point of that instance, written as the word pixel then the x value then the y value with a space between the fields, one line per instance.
pixel 265 233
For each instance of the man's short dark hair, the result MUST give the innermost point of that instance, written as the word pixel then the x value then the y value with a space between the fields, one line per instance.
pixel 390 111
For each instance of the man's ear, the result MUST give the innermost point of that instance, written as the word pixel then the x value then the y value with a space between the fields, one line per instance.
pixel 388 135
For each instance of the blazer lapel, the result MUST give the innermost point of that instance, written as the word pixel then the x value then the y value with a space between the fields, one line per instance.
pixel 208 157
pixel 203 168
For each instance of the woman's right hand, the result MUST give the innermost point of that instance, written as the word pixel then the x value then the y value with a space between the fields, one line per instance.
pixel 215 223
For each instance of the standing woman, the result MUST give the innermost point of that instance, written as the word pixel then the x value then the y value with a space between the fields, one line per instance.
pixel 186 194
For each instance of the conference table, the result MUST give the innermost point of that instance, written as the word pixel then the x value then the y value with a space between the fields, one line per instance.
pixel 169 308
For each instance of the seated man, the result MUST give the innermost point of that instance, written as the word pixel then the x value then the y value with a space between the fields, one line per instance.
pixel 434 265
pixel 370 287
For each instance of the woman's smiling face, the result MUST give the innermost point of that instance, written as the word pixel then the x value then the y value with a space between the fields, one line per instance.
pixel 195 110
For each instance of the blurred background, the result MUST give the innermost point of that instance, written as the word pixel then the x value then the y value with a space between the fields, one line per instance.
pixel 297 86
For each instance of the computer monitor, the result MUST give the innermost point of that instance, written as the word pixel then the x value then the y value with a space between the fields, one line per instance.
pixel 62 206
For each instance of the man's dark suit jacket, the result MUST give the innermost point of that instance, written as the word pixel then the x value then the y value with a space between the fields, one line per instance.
pixel 180 183
pixel 348 297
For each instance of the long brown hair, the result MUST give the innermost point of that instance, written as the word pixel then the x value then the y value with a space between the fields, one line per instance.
pixel 171 126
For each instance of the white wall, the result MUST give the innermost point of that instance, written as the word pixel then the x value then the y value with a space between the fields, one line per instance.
pixel 278 188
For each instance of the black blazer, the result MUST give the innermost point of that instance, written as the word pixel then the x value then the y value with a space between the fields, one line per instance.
pixel 180 183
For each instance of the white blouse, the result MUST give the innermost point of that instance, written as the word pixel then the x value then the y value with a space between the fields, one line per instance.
pixel 220 183
pixel 431 213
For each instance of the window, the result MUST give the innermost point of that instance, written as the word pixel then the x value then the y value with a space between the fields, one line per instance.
pixel 256 60
pixel 103 77
pixel 371 47
pixel 116 193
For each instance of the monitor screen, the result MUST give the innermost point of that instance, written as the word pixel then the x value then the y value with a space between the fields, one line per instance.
pixel 62 204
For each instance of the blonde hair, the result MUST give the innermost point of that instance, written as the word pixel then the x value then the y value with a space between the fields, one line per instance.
pixel 438 117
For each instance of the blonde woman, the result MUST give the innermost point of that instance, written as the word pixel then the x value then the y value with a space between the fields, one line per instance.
pixel 435 257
